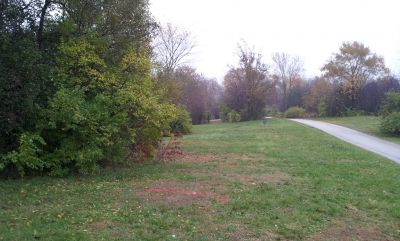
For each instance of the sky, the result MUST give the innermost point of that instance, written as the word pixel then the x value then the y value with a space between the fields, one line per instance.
pixel 310 29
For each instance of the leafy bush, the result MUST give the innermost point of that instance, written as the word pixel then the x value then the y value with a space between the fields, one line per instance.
pixel 182 123
pixel 323 108
pixel 353 112
pixel 234 116
pixel 27 155
pixel 223 112
pixel 391 124
pixel 98 114
pixel 270 111
pixel 295 112
pixel 391 104
pixel 206 117
pixel 390 112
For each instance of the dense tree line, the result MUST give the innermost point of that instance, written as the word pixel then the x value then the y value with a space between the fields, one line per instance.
pixel 77 88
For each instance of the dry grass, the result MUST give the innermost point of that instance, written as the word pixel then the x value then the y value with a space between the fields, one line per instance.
pixel 174 193
pixel 342 231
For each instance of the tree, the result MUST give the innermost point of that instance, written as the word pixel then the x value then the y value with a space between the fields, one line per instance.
pixel 354 66
pixel 288 71
pixel 198 94
pixel 319 95
pixel 246 86
pixel 172 47
pixel 77 86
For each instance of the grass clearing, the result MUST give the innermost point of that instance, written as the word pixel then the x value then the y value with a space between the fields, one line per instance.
pixel 366 124
pixel 234 182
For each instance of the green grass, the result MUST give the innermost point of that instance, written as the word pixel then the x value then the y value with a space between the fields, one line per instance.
pixel 286 181
pixel 366 124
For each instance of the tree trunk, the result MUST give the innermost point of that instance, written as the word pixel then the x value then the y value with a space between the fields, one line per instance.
pixel 41 23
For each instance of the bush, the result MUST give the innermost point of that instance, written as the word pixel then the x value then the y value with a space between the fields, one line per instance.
pixel 322 108
pixel 391 124
pixel 234 116
pixel 270 111
pixel 96 116
pixel 295 112
pixel 223 112
pixel 182 123
pixel 205 119
pixel 353 113
pixel 391 104
pixel 390 112
pixel 27 155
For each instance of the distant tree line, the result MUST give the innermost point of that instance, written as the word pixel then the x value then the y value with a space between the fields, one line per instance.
pixel 354 81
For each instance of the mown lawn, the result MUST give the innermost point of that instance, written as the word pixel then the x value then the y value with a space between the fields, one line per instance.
pixel 234 182
pixel 366 124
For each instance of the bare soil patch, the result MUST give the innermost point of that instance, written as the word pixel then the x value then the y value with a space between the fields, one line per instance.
pixel 179 194
pixel 341 231
pixel 100 225
pixel 229 168
pixel 205 158
pixel 275 178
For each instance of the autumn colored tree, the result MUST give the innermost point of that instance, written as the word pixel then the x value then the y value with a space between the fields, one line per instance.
pixel 199 95
pixel 246 86
pixel 320 91
pixel 352 67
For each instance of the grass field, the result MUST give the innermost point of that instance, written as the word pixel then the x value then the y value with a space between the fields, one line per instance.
pixel 366 124
pixel 234 182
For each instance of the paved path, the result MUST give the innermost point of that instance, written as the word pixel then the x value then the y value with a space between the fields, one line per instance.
pixel 384 148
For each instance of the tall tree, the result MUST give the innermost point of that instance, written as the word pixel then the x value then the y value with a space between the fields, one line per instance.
pixel 246 86
pixel 172 47
pixel 288 71
pixel 320 92
pixel 353 66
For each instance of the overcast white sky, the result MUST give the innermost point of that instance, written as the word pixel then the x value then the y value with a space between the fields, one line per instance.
pixel 311 29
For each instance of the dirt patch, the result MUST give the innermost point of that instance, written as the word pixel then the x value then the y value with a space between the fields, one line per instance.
pixel 204 158
pixel 275 178
pixel 179 194
pixel 101 225
pixel 195 158
pixel 345 232
pixel 230 168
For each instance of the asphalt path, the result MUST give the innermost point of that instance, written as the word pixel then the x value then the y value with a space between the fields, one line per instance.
pixel 374 144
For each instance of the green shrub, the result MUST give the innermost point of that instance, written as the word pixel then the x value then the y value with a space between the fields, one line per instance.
pixel 391 124
pixel 353 113
pixel 100 114
pixel 27 155
pixel 205 119
pixel 391 104
pixel 323 108
pixel 270 111
pixel 390 113
pixel 295 112
pixel 234 116
pixel 223 112
pixel 182 123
